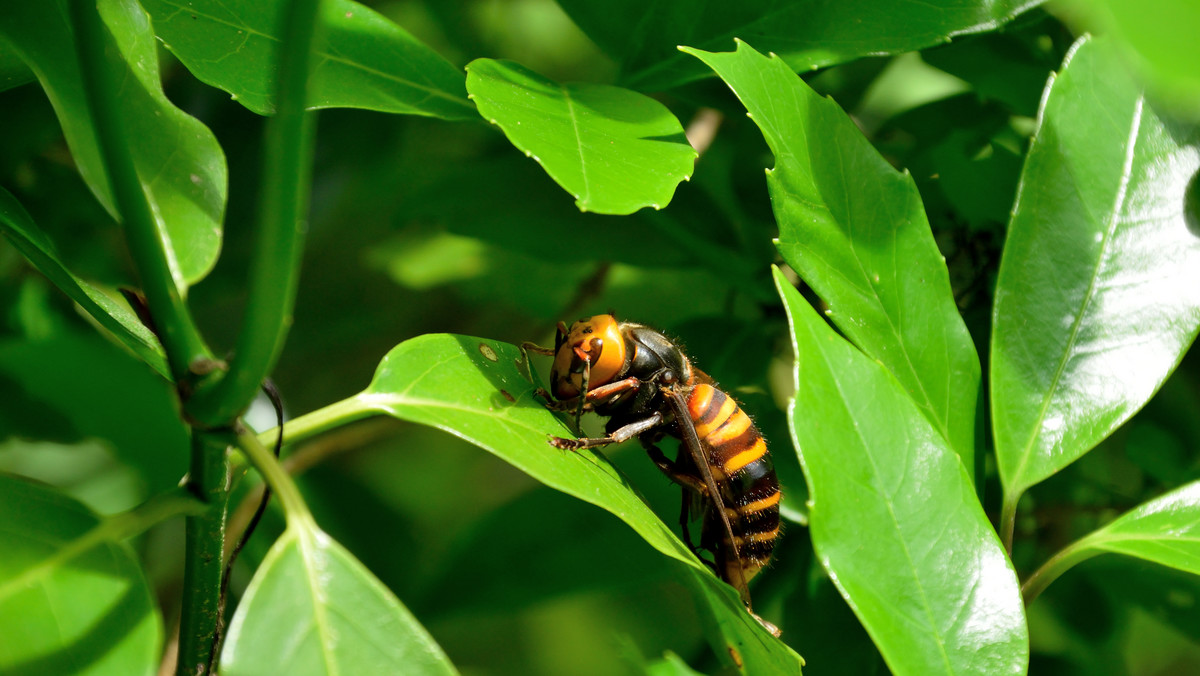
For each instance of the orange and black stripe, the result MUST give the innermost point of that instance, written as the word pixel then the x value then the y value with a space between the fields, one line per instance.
pixel 742 468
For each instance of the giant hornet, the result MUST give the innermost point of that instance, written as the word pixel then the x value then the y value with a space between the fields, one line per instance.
pixel 647 387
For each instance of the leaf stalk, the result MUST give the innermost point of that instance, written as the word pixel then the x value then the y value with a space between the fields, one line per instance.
pixel 283 221
pixel 147 243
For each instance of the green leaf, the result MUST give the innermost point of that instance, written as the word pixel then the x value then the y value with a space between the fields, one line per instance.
pixel 69 604
pixel 615 150
pixel 178 160
pixel 1098 294
pixel 476 389
pixel 117 318
pixel 1009 66
pixel 365 60
pixel 894 516
pixel 103 393
pixel 1165 530
pixel 855 231
pixel 669 665
pixel 806 35
pixel 312 608
pixel 1157 37
pixel 13 71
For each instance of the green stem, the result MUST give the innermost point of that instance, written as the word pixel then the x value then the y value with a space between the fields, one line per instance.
pixel 147 243
pixel 204 563
pixel 275 476
pixel 1070 556
pixel 275 269
pixel 1008 519
pixel 321 420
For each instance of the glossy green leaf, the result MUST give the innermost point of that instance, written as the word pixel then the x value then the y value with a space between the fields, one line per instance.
pixel 1165 530
pixel 615 150
pixel 807 35
pixel 1098 294
pixel 68 607
pixel 854 229
pixel 178 160
pixel 365 60
pixel 476 389
pixel 18 227
pixel 894 516
pixel 312 608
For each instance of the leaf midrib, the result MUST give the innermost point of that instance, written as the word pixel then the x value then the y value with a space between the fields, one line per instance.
pixel 428 90
pixel 1113 220
pixel 928 607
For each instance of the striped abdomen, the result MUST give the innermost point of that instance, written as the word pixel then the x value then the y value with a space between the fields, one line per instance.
pixel 744 474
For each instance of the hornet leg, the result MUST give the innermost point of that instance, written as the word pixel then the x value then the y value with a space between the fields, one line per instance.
pixel 623 434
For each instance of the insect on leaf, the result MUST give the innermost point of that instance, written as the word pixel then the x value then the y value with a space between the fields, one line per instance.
pixel 476 389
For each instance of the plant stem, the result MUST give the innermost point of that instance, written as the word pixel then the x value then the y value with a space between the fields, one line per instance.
pixel 147 245
pixel 275 269
pixel 1070 556
pixel 321 420
pixel 275 476
pixel 208 479
pixel 1008 520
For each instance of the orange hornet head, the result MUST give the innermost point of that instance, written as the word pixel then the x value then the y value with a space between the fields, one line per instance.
pixel 592 343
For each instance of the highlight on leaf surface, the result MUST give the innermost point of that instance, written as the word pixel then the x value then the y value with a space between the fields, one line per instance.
pixel 1098 294
pixel 855 230
pixel 179 163
pixel 69 603
pixel 894 517
pixel 614 149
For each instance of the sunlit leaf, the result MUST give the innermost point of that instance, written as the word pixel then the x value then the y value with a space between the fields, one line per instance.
pixel 894 516
pixel 1098 294
pixel 67 609
pixel 365 60
pixel 178 160
pixel 670 665
pixel 21 231
pixel 312 608
pixel 854 229
pixel 615 150
pixel 476 390
pixel 1165 530
pixel 642 36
